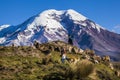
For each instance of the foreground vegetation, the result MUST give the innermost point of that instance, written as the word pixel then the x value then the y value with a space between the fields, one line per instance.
pixel 36 63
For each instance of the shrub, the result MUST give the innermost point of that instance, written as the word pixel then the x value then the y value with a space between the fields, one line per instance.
pixel 80 70
pixel 83 69
pixel 106 75
pixel 116 65
pixel 70 72
pixel 45 61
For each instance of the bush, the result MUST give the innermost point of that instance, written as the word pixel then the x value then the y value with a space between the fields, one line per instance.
pixel 70 72
pixel 116 65
pixel 106 75
pixel 80 70
pixel 45 61
pixel 84 68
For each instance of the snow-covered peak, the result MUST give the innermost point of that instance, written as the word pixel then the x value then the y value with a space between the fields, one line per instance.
pixel 75 15
pixel 52 11
pixel 4 26
pixel 46 18
pixel 52 16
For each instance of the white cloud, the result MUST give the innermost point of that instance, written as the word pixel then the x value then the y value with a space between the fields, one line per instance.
pixel 118 26
pixel 116 29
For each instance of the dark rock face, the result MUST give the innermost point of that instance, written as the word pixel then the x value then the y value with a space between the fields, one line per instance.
pixel 104 43
pixel 101 40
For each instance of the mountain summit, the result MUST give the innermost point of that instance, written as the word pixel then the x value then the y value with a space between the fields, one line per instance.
pixel 53 25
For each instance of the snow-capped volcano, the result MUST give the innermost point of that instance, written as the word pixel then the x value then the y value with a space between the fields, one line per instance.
pixel 53 25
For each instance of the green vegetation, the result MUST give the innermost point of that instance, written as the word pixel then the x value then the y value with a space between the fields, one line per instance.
pixel 44 63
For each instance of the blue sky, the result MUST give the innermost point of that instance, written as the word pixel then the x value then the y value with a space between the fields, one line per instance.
pixel 104 12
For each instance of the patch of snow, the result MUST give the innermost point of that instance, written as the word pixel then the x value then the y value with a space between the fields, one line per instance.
pixel 3 27
pixel 84 24
pixel 98 27
pixel 75 15
pixel 93 25
pixel 79 32
pixel 2 40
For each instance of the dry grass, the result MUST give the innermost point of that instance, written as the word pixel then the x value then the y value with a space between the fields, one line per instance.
pixel 81 70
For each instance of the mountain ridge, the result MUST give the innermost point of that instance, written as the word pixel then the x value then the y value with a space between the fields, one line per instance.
pixel 52 25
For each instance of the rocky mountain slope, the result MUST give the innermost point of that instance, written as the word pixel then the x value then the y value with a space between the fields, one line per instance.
pixel 53 25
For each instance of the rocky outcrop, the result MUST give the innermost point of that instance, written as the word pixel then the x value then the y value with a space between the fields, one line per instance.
pixel 106 58
pixel 87 54
pixel 58 46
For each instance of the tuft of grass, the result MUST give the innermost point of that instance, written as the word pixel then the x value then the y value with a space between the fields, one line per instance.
pixel 105 73
pixel 116 65
pixel 81 70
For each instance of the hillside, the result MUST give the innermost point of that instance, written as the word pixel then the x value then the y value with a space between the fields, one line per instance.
pixel 43 62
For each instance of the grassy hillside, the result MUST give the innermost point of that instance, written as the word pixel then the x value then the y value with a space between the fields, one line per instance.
pixel 43 62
